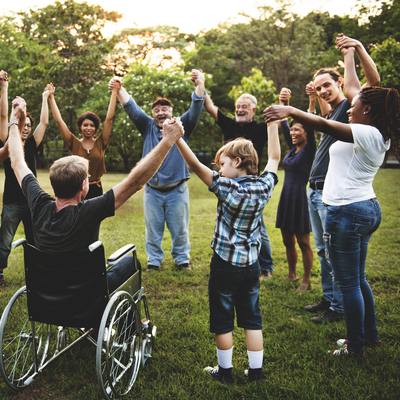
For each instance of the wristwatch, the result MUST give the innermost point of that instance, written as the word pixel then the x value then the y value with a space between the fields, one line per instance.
pixel 12 123
pixel 312 111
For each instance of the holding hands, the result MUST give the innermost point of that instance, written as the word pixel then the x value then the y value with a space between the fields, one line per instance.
pixel 173 129
pixel 284 96
pixel 197 77
pixel 345 43
pixel 3 77
pixel 310 90
pixel 18 110
pixel 115 84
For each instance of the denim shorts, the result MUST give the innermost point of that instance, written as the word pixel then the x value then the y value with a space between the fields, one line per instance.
pixel 231 288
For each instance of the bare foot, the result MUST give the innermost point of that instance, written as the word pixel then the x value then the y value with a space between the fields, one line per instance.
pixel 292 278
pixel 303 287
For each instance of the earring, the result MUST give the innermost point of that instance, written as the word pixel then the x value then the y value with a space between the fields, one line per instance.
pixel 365 112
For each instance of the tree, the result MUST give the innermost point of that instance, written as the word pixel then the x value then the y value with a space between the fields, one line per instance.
pixel 160 45
pixel 76 48
pixel 387 60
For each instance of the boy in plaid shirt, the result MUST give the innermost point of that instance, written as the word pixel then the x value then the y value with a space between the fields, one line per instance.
pixel 234 268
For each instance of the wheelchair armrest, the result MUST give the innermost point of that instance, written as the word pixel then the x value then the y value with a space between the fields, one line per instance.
pixel 92 247
pixel 18 243
pixel 122 252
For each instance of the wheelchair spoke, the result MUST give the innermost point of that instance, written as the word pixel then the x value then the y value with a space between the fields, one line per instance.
pixel 120 353
pixel 17 357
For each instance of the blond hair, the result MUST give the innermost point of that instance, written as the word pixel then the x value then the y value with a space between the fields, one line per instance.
pixel 242 148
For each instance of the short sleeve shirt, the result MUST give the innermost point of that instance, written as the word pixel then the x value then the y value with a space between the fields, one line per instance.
pixel 95 156
pixel 12 189
pixel 353 166
pixel 237 236
pixel 74 227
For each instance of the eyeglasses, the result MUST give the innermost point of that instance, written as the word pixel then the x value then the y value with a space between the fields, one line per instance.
pixel 28 126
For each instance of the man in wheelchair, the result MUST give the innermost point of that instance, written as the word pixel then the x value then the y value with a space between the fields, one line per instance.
pixel 68 223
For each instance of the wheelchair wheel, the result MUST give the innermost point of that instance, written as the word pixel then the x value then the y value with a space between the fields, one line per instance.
pixel 16 344
pixel 149 333
pixel 119 346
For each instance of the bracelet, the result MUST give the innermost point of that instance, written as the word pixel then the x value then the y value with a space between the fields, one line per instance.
pixel 12 123
pixel 312 112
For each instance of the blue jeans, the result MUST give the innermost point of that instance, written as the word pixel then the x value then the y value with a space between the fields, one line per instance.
pixel 171 208
pixel 347 233
pixel 330 289
pixel 120 272
pixel 11 216
pixel 231 288
pixel 265 257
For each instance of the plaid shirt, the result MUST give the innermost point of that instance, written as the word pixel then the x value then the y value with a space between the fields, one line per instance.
pixel 237 236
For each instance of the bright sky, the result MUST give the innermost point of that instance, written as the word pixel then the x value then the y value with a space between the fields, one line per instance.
pixel 189 16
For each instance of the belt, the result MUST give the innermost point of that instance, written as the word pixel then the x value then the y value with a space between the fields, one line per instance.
pixel 168 189
pixel 319 185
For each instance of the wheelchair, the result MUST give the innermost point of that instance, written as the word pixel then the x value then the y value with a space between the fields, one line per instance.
pixel 65 301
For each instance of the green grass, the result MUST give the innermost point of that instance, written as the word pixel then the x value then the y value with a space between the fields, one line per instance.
pixel 296 363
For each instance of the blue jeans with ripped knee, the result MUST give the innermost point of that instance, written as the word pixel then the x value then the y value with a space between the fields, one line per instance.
pixel 348 230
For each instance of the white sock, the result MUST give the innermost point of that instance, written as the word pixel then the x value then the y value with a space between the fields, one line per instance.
pixel 225 358
pixel 255 359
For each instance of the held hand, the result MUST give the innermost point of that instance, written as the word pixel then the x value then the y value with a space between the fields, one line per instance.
pixel 173 129
pixel 48 91
pixel 115 84
pixel 344 42
pixel 3 78
pixel 310 90
pixel 275 113
pixel 18 110
pixel 197 77
pixel 284 96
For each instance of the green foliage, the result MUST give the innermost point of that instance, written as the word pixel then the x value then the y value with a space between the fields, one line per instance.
pixel 387 60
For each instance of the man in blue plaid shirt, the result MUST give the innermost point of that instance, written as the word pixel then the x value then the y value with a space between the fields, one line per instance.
pixel 234 269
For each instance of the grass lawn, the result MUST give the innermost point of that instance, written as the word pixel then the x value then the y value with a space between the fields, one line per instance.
pixel 296 363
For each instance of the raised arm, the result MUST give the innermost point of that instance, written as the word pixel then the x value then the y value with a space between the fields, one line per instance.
pixel 15 149
pixel 352 85
pixel 210 107
pixel 202 171
pixel 122 94
pixel 110 116
pixel 44 117
pixel 335 129
pixel 62 126
pixel 274 147
pixel 3 106
pixel 149 165
pixel 4 154
pixel 312 101
pixel 198 80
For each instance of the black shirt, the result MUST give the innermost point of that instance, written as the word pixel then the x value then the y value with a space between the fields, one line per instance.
pixel 12 190
pixel 70 229
pixel 254 131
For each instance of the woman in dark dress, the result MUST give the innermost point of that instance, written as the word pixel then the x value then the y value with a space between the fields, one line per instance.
pixel 293 217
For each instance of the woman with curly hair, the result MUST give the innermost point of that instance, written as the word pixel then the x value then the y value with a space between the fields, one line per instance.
pixel 90 147
pixel 352 211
